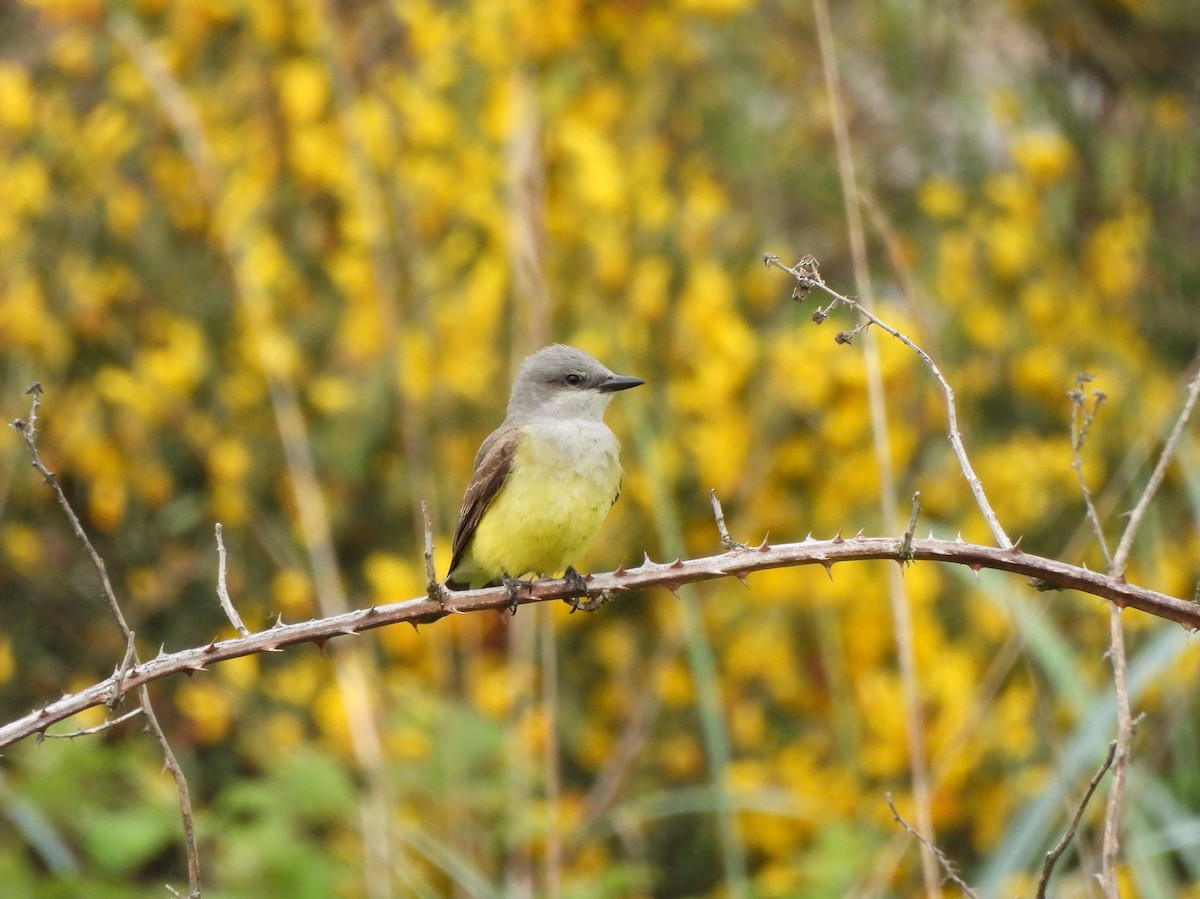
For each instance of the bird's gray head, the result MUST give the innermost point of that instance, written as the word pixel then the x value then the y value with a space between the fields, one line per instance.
pixel 560 382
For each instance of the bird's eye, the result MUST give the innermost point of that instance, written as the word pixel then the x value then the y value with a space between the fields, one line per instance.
pixel 574 379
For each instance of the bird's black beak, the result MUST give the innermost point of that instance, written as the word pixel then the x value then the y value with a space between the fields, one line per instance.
pixel 619 382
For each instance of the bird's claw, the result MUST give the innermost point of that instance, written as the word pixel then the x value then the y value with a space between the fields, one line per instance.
pixel 511 585
pixel 578 589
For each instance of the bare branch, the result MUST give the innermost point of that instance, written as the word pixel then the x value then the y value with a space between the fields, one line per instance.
pixel 181 787
pixel 114 698
pixel 947 865
pixel 1054 854
pixel 808 277
pixel 905 547
pixel 99 728
pixel 223 591
pixel 118 684
pixel 1125 724
pixel 1156 478
pixel 719 514
pixel 672 575
pixel 1081 419
pixel 433 587
pixel 28 430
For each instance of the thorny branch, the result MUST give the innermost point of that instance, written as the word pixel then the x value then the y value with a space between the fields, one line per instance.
pixel 807 275
pixel 737 563
pixel 1125 723
pixel 1082 416
pixel 947 865
pixel 1054 854
pixel 98 729
pixel 119 683
pixel 808 278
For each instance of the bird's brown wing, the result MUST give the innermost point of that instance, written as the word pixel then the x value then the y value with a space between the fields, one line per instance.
pixel 489 477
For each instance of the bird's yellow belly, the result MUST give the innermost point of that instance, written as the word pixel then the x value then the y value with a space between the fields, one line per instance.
pixel 549 509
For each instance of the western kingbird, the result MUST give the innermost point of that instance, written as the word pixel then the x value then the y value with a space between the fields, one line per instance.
pixel 545 479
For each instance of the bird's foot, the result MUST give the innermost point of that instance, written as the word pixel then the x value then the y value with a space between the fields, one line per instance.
pixel 577 585
pixel 512 585
pixel 437 592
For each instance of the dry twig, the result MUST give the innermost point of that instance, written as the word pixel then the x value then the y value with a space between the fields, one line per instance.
pixel 1116 652
pixel 947 866
pixel 223 590
pixel 118 684
pixel 1054 854
pixel 719 514
pixel 99 728
pixel 808 278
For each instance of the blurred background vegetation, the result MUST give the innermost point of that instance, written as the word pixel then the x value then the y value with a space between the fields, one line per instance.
pixel 274 263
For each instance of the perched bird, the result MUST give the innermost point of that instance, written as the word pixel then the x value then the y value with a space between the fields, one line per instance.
pixel 545 479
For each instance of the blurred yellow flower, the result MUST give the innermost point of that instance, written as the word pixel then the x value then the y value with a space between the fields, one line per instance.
pixel 1015 196
pixel 22 546
pixel 941 198
pixel 393 578
pixel 409 744
pixel 675 687
pixel 208 705
pixel 715 8
pixel 303 89
pixel 1115 255
pixel 957 270
pixel 241 673
pixel 599 175
pixel 292 593
pixel 25 186
pixel 1043 156
pixel 329 713
pixel 331 394
pixel 8 665
pixel 679 755
pixel 298 681
pixel 16 99
pixel 107 498
pixel 491 691
pixel 1010 245
pixel 228 460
